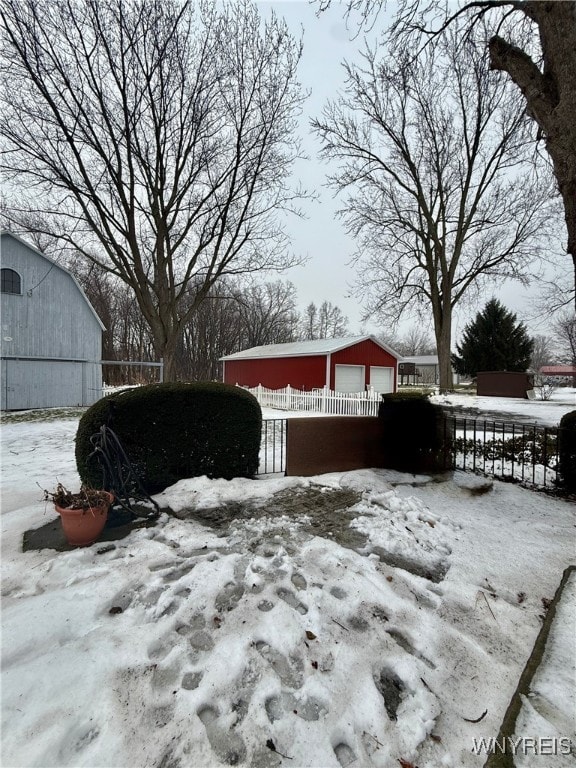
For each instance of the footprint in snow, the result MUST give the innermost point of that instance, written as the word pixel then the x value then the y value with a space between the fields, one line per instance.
pixel 229 597
pixel 191 680
pixel 175 574
pixel 344 754
pixel 309 708
pixel 299 581
pixel 159 649
pixel 290 671
pixel 291 599
pixel 227 745
pixel 338 593
pixel 358 623
pixel 202 640
pixel 391 688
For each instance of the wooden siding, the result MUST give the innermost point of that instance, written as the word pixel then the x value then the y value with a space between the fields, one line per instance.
pixel 49 334
pixel 51 317
pixel 275 373
pixel 333 444
pixel 365 353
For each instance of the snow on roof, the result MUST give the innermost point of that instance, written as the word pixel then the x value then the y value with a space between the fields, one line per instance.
pixel 303 348
pixel 421 360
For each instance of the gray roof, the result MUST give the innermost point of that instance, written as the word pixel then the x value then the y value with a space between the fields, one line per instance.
pixel 421 360
pixel 304 348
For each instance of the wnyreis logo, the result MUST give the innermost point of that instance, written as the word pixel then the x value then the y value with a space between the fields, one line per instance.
pixel 523 745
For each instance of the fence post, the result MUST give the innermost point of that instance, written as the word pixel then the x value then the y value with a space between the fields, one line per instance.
pixel 289 397
pixel 259 393
pixel 324 393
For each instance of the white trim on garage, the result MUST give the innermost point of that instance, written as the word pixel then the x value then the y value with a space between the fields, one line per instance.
pixel 349 378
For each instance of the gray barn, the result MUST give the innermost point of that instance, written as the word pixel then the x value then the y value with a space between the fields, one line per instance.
pixel 51 334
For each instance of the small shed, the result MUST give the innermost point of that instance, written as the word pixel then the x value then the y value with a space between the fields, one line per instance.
pixel 350 364
pixel 51 334
pixel 503 384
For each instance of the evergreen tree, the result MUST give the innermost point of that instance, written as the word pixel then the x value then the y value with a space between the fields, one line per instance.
pixel 494 341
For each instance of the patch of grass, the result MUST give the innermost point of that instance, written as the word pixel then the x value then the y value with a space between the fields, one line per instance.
pixel 41 414
pixel 465 389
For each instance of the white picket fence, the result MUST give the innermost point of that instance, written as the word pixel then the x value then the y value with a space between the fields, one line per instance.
pixel 319 400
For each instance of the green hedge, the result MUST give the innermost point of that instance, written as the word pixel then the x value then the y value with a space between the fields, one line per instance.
pixel 406 394
pixel 567 450
pixel 414 439
pixel 174 431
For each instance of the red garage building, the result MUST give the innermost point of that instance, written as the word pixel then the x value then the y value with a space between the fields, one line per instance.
pixel 344 365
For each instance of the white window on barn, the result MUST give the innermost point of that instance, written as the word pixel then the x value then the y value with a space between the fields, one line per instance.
pixel 381 379
pixel 349 378
pixel 11 282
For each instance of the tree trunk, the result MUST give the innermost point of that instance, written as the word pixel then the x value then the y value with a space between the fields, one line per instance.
pixel 165 344
pixel 443 329
pixel 168 352
pixel 550 94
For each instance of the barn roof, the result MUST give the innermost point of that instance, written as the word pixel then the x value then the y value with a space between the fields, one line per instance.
pixel 305 348
pixel 7 233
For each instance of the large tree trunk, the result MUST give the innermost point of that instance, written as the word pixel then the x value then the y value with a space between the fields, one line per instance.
pixel 444 355
pixel 550 94
pixel 443 332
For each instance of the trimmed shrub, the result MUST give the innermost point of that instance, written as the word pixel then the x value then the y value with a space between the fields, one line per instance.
pixel 407 394
pixel 567 450
pixel 414 439
pixel 173 431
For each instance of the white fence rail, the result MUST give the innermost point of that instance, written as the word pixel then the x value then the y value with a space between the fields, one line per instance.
pixel 319 400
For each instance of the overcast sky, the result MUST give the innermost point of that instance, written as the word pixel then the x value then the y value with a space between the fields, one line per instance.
pixel 328 274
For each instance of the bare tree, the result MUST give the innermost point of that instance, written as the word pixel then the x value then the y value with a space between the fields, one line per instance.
pixel 565 337
pixel 213 331
pixel 332 322
pixel 126 336
pixel 157 138
pixel 546 77
pixel 542 352
pixel 266 313
pixel 324 322
pixel 310 322
pixel 416 341
pixel 232 318
pixel 430 154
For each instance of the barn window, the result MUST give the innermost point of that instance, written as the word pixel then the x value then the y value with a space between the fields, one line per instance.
pixel 10 281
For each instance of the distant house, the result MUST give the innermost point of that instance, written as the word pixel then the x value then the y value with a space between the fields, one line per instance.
pixel 560 371
pixel 350 364
pixel 51 334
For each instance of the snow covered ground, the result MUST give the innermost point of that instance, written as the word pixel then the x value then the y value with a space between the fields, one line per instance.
pixel 277 640
pixel 545 412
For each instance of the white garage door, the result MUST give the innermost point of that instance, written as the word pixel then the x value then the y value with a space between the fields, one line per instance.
pixel 349 378
pixel 382 379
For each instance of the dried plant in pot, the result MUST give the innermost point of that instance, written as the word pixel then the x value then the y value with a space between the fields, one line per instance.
pixel 83 514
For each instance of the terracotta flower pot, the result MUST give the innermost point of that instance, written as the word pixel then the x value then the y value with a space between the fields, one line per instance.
pixel 83 526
